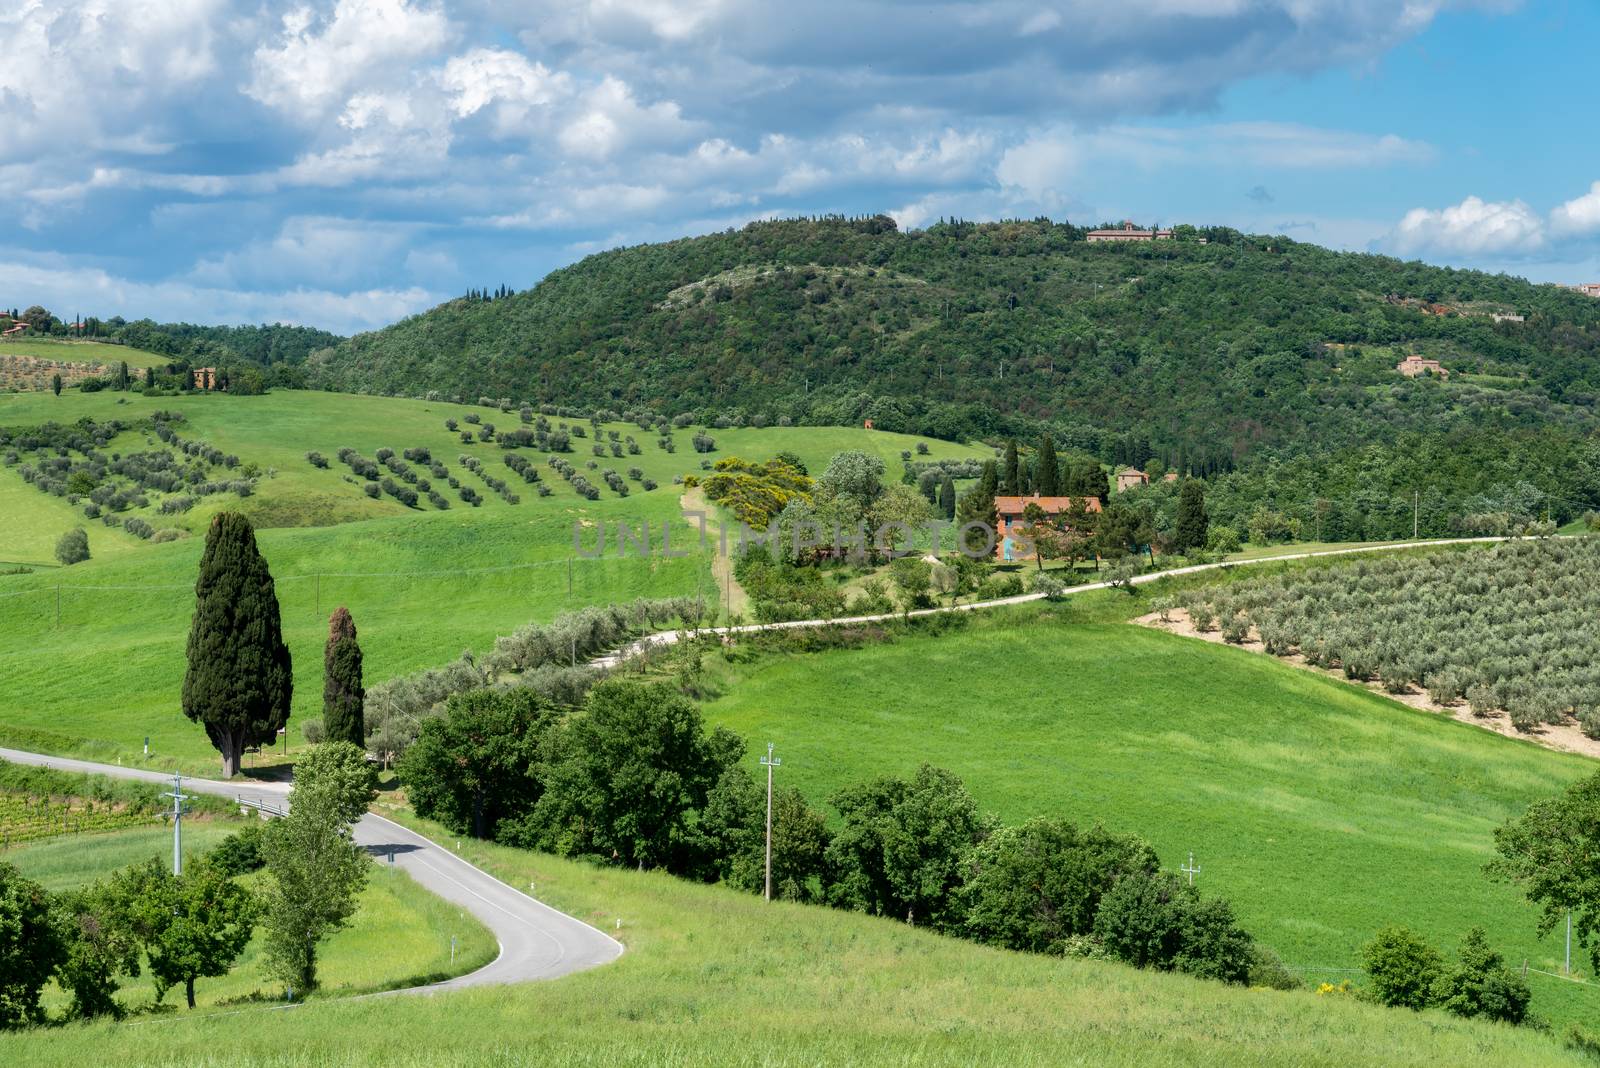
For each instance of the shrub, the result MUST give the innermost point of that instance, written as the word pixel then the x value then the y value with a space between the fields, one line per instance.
pixel 1157 921
pixel 316 459
pixel 1402 967
pixel 1481 985
pixel 1050 585
pixel 73 547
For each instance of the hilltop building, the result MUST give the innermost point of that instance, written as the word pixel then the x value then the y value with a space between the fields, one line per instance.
pixel 1415 365
pixel 206 378
pixel 1128 232
pixel 1010 511
pixel 1588 289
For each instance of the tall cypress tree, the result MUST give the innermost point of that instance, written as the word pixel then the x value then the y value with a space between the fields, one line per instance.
pixel 1011 481
pixel 239 681
pixel 1193 522
pixel 343 697
pixel 1047 475
pixel 947 497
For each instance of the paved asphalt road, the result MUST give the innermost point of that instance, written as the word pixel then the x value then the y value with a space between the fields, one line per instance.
pixel 536 941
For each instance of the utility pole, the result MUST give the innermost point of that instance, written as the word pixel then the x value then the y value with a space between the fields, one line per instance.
pixel 178 798
pixel 1566 969
pixel 771 762
pixel 318 577
pixel 1191 869
pixel 1416 512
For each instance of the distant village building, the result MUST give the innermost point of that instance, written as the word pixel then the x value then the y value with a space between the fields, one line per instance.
pixel 1415 365
pixel 866 424
pixel 16 329
pixel 1508 317
pixel 1128 232
pixel 1130 477
pixel 206 378
pixel 1170 476
pixel 1588 289
pixel 1010 512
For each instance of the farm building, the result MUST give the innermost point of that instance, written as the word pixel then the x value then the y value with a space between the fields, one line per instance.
pixel 1415 365
pixel 1130 477
pixel 1128 232
pixel 1009 512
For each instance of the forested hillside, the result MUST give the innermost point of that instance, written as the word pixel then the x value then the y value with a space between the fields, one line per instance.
pixel 1199 353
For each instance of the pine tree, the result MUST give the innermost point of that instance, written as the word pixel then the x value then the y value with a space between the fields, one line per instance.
pixel 1047 476
pixel 947 497
pixel 343 697
pixel 1192 519
pixel 239 682
pixel 1011 484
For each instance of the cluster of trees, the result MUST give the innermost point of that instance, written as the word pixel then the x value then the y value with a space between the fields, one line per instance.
pixel 549 659
pixel 185 927
pixel 1003 342
pixel 1493 628
pixel 105 485
pixel 635 779
pixel 757 492
pixel 1407 972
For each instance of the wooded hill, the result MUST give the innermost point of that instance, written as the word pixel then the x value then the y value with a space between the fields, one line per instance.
pixel 1196 352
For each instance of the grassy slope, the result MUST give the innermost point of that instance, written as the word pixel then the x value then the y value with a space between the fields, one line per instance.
pixel 422 585
pixel 399 936
pixel 84 352
pixel 712 977
pixel 1321 810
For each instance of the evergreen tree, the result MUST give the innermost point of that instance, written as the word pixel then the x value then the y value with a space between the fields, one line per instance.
pixel 122 375
pixel 1047 476
pixel 55 384
pixel 239 682
pixel 1192 520
pixel 343 697
pixel 150 376
pixel 947 497
pixel 1011 483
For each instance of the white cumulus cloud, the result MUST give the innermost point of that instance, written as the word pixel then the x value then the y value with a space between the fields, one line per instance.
pixel 1472 227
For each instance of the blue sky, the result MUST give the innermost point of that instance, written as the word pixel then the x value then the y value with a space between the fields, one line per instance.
pixel 343 163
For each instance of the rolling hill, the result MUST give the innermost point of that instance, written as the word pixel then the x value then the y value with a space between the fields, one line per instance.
pixel 1201 353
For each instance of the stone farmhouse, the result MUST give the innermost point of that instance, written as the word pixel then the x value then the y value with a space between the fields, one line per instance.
pixel 1130 477
pixel 1415 365
pixel 1010 511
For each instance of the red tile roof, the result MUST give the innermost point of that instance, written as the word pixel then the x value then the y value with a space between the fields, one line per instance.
pixel 1052 505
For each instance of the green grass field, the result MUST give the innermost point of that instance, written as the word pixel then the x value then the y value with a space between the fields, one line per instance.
pixel 277 430
pixel 715 977
pixel 93 656
pixel 1321 810
pixel 83 352
pixel 399 936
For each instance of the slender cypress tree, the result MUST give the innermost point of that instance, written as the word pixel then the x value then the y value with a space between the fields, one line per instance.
pixel 947 497
pixel 1047 475
pixel 1011 482
pixel 239 681
pixel 343 697
pixel 1193 522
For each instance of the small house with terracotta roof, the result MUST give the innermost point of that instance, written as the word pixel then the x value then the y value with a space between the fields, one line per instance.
pixel 1130 477
pixel 206 378
pixel 1010 511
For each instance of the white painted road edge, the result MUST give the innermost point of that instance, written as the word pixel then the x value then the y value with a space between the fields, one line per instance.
pixel 670 637
pixel 536 941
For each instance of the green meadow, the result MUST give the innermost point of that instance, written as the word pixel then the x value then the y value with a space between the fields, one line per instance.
pixel 276 431
pixel 83 352
pixel 712 976
pixel 93 655
pixel 399 936
pixel 1321 810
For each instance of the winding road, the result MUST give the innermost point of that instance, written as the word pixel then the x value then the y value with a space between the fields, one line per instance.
pixel 536 941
